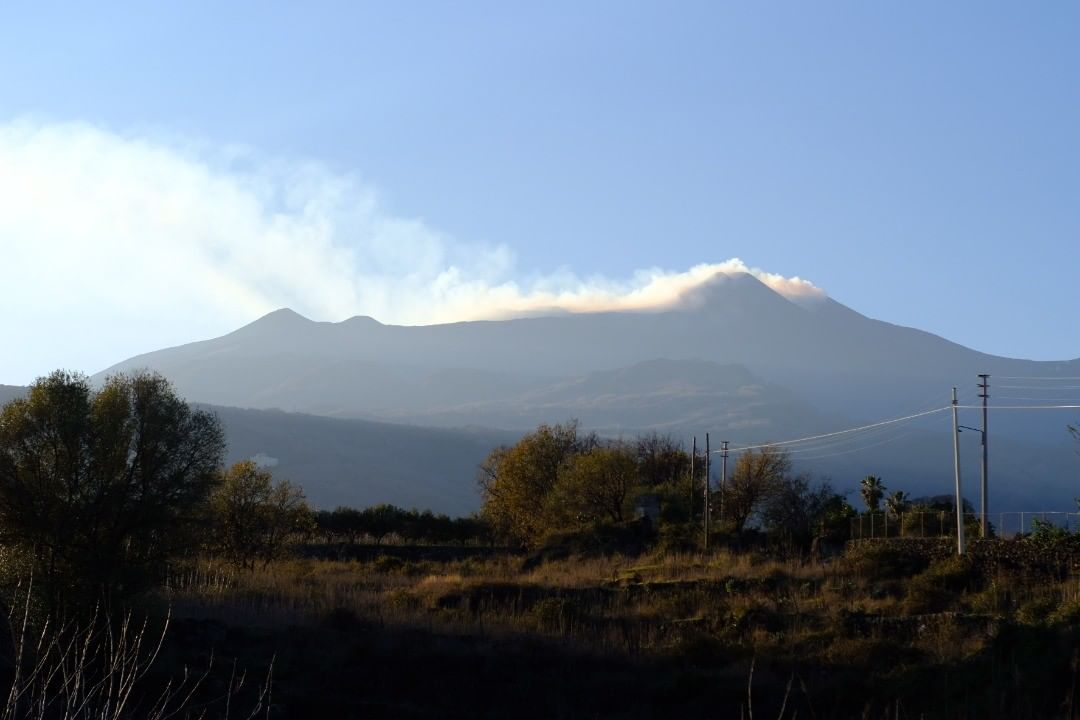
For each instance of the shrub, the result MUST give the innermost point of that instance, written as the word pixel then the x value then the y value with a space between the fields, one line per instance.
pixel 388 564
pixel 1068 613
pixel 892 559
pixel 554 614
pixel 676 538
pixel 1037 610
pixel 935 589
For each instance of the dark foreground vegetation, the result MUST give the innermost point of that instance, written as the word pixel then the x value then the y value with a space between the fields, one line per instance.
pixel 891 628
pixel 142 579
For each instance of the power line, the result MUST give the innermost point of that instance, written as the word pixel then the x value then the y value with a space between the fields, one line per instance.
pixel 843 432
pixel 858 449
pixel 892 421
pixel 1048 378
pixel 1021 407
pixel 1033 399
pixel 874 434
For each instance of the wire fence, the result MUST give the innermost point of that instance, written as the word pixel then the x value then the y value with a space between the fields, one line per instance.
pixel 1012 523
pixel 942 523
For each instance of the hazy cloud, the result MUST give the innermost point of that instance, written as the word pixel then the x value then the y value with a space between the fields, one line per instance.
pixel 114 244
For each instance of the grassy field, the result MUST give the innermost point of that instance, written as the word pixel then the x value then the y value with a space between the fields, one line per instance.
pixel 891 629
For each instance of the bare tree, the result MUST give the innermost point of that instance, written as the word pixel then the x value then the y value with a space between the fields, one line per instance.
pixel 757 475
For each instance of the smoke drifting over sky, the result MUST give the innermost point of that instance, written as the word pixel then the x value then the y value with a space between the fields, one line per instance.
pixel 116 244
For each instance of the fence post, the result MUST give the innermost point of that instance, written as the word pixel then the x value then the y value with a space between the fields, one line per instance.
pixel 886 524
pixel 922 524
pixel 871 524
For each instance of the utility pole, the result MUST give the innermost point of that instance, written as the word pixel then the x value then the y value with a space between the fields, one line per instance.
pixel 956 467
pixel 723 477
pixel 693 481
pixel 706 511
pixel 984 393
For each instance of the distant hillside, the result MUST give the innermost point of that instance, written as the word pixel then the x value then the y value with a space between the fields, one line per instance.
pixel 679 396
pixel 360 462
pixel 10 392
pixel 357 462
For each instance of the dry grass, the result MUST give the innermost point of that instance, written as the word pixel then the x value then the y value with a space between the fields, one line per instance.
pixel 619 604
pixel 852 621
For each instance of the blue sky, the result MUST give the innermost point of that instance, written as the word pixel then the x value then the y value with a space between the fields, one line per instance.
pixel 920 162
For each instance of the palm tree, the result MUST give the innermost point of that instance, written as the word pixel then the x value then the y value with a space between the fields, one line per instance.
pixel 897 503
pixel 872 490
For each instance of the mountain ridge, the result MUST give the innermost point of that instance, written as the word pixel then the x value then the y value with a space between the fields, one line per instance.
pixel 821 366
pixel 728 321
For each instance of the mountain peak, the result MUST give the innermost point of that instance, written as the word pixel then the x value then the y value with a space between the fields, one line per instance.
pixel 283 315
pixel 727 288
pixel 361 321
pixel 274 323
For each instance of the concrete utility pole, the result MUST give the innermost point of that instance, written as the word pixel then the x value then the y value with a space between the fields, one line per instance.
pixel 956 467
pixel 706 491
pixel 984 393
pixel 723 477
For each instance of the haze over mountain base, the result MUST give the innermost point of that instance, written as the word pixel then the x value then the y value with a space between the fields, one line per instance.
pixel 732 357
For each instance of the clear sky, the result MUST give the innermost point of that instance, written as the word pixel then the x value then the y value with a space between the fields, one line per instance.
pixel 167 174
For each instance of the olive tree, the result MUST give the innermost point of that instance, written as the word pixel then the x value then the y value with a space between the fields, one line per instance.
pixel 100 486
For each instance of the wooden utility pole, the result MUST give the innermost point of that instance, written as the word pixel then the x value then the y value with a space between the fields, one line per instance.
pixel 984 393
pixel 693 481
pixel 706 510
pixel 723 477
pixel 956 468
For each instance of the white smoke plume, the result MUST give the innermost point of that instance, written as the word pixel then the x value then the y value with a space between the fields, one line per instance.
pixel 113 244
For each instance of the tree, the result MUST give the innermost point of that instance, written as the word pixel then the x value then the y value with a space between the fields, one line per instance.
pixel 661 460
pixel 101 487
pixel 254 515
pixel 872 490
pixel 797 511
pixel 595 485
pixel 343 523
pixel 515 482
pixel 287 513
pixel 898 502
pixel 378 521
pixel 757 474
